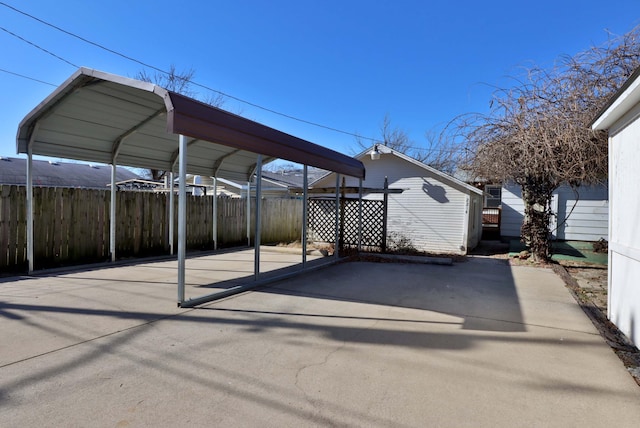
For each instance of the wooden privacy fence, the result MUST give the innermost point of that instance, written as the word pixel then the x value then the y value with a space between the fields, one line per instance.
pixel 71 226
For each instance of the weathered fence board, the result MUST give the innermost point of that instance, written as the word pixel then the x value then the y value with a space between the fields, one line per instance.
pixel 71 226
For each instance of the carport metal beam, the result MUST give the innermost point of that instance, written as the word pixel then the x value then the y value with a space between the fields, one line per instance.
pixel 112 212
pixel 305 215
pixel 214 214
pixel 30 205
pixel 248 214
pixel 182 217
pixel 258 232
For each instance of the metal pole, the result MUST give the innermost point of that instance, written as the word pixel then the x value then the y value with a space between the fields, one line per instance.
pixel 112 212
pixel 30 205
pixel 360 216
pixel 172 213
pixel 385 209
pixel 256 259
pixel 182 217
pixel 337 244
pixel 248 214
pixel 305 214
pixel 215 213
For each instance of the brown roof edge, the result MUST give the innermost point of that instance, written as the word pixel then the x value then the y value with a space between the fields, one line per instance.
pixel 198 120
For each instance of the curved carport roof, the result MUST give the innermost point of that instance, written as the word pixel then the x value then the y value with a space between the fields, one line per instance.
pixel 100 117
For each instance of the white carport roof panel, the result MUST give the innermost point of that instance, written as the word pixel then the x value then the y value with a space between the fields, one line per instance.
pixel 95 115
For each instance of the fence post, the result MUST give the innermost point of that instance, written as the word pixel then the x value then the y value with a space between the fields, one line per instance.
pixel 385 206
pixel 171 212
pixel 336 245
pixel 342 214
pixel 360 215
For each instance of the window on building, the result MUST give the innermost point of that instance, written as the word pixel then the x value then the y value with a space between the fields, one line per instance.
pixel 492 196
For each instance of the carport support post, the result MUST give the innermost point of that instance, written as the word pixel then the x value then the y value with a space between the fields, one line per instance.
pixel 171 212
pixel 248 214
pixel 256 259
pixel 182 217
pixel 336 251
pixel 112 212
pixel 360 215
pixel 385 208
pixel 215 213
pixel 30 205
pixel 305 214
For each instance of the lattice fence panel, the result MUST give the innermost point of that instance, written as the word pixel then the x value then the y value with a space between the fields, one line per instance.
pixel 372 222
pixel 322 219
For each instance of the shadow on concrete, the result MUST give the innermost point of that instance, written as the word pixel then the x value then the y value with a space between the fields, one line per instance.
pixel 476 295
pixel 482 292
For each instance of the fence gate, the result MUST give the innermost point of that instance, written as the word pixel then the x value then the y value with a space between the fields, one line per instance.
pixel 322 221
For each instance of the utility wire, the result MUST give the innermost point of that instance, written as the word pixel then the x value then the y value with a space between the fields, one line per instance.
pixel 167 73
pixel 27 77
pixel 38 47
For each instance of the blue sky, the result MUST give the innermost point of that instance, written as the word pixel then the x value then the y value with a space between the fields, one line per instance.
pixel 343 64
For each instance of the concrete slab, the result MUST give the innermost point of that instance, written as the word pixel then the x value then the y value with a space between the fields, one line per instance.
pixel 478 343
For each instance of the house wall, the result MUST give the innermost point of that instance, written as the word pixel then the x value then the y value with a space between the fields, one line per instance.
pixel 587 222
pixel 474 226
pixel 512 211
pixel 431 212
pixel 624 231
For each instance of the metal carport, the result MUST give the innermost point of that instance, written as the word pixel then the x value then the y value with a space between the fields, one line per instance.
pixel 100 117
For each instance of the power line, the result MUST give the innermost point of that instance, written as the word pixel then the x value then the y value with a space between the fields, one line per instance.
pixel 26 77
pixel 129 58
pixel 38 47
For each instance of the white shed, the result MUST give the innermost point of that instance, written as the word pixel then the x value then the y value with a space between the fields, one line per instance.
pixel 621 117
pixel 437 213
pixel 581 214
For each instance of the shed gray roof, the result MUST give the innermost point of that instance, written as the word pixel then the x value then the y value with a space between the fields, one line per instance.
pixel 389 151
pixel 96 116
pixel 60 174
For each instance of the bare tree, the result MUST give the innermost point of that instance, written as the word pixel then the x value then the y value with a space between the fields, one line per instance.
pixel 179 82
pixel 537 133
pixel 173 80
pixel 439 151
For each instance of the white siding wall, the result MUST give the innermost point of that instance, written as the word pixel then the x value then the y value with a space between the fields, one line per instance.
pixel 475 220
pixel 512 210
pixel 430 212
pixel 624 233
pixel 588 221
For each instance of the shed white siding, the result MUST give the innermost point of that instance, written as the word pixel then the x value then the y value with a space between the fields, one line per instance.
pixel 624 237
pixel 621 117
pixel 581 216
pixel 436 214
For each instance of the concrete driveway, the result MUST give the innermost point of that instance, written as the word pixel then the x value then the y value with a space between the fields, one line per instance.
pixel 478 343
